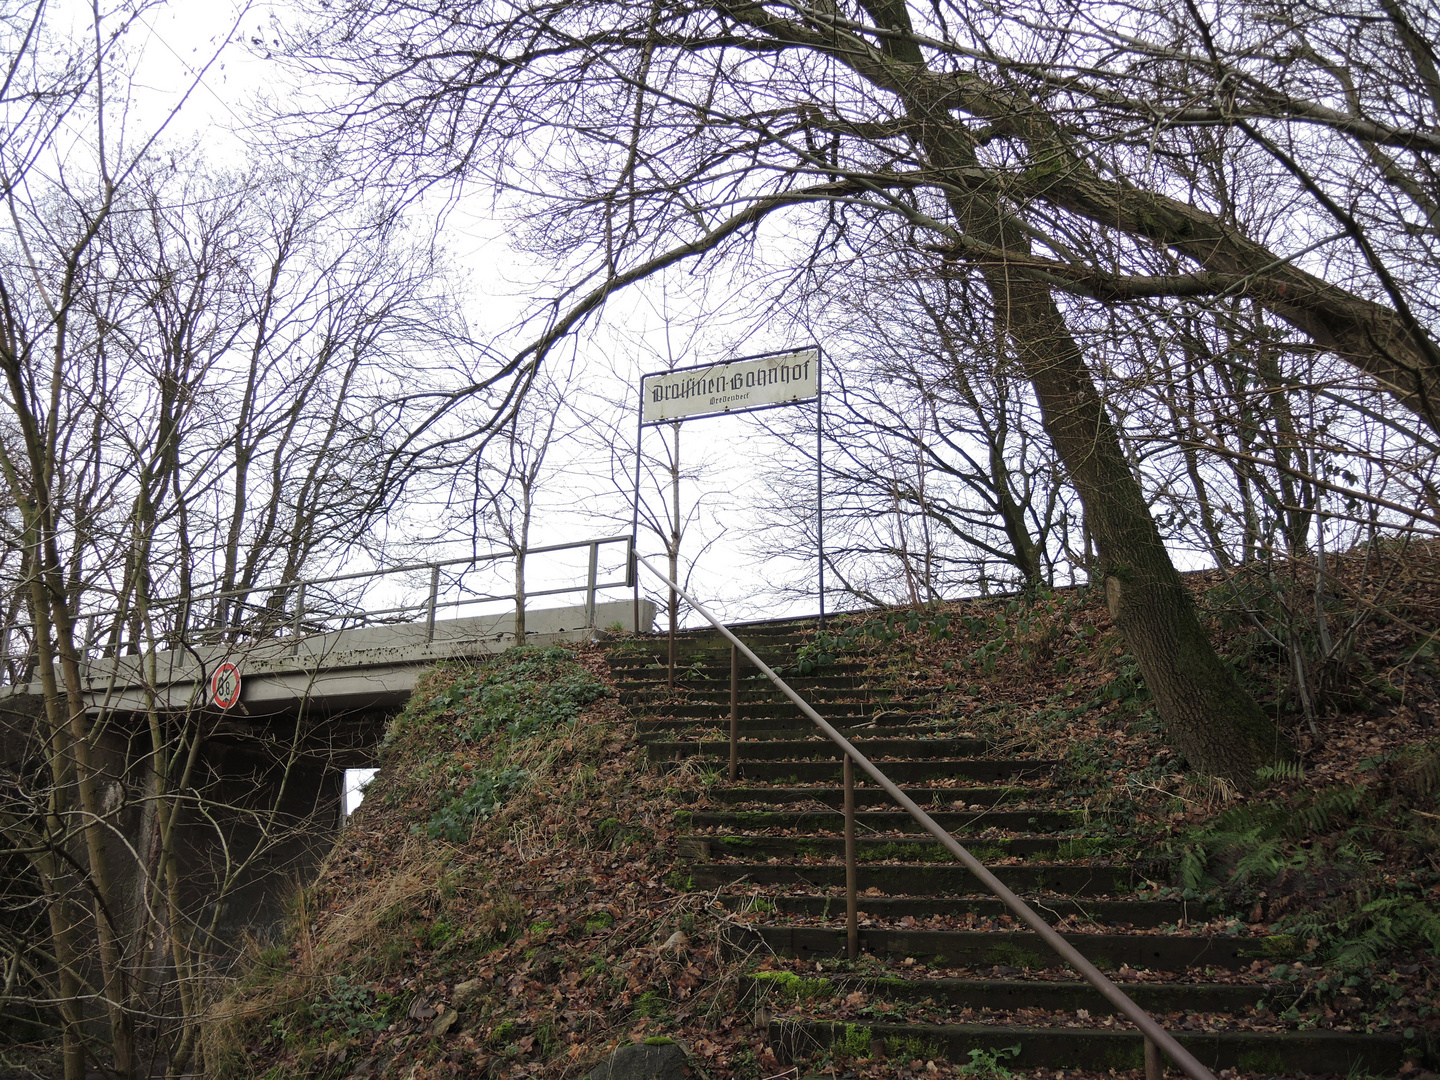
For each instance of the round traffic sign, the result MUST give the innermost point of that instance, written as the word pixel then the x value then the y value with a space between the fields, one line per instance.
pixel 225 685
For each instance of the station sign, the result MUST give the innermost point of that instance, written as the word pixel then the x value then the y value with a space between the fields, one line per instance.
pixel 761 382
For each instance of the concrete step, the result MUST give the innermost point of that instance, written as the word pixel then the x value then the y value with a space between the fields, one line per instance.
pixel 923 879
pixel 820 747
pixel 885 821
pixel 690 653
pixel 719 696
pixel 898 723
pixel 1139 913
pixel 1257 1052
pixel 789 629
pixel 706 670
pixel 889 849
pixel 750 682
pixel 1009 948
pixel 755 731
pixel 902 772
pixel 868 795
pixel 1010 994
pixel 832 711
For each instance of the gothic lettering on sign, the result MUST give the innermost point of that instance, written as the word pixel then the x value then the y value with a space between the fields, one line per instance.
pixel 737 386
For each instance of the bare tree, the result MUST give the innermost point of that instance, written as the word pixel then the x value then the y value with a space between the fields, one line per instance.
pixel 931 470
pixel 1029 147
pixel 197 396
pixel 507 479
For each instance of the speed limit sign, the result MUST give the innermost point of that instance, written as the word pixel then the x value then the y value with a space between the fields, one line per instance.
pixel 225 685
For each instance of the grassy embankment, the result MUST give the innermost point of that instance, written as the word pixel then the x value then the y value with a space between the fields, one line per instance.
pixel 507 902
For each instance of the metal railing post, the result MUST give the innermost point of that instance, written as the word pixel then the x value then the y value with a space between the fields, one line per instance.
pixel 635 580
pixel 1124 1005
pixel 430 608
pixel 852 917
pixel 734 714
pixel 1154 1063
pixel 299 615
pixel 590 586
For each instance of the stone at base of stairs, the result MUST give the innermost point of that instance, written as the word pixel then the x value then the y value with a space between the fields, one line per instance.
pixel 1322 1052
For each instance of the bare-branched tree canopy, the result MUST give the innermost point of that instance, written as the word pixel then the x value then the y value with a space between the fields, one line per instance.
pixel 1070 159
pixel 197 401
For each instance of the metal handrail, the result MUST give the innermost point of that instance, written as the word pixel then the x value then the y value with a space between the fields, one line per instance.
pixel 1155 1035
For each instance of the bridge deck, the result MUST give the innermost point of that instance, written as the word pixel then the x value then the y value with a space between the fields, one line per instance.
pixel 368 667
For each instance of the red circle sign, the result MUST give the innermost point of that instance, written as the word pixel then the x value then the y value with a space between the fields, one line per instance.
pixel 225 685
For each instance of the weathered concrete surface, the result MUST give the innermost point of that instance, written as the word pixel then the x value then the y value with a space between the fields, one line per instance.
pixel 371 667
pixel 643 1061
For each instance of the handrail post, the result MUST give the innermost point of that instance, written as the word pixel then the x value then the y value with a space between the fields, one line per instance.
pixel 734 714
pixel 674 611
pixel 299 614
pixel 852 917
pixel 430 608
pixel 590 586
pixel 1154 1063
pixel 634 569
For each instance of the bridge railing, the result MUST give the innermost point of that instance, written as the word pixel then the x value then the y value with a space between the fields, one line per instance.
pixel 310 606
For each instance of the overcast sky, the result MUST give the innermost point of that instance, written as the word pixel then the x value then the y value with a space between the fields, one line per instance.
pixel 217 54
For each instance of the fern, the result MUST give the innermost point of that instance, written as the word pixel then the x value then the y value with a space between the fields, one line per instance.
pixel 1281 770
pixel 1422 778
pixel 1328 808
pixel 1193 867
pixel 1356 937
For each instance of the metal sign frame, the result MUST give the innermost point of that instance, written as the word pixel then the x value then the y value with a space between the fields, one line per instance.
pixel 818 399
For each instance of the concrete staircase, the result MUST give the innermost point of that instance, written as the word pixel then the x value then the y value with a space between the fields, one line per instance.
pixel 943 972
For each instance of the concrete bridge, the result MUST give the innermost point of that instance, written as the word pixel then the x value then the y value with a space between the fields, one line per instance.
pixel 368 668
pixel 312 703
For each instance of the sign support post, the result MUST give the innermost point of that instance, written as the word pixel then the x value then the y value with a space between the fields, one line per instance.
pixel 820 494
pixel 746 384
pixel 635 523
pixel 674 547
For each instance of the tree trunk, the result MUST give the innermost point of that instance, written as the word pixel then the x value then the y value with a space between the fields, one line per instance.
pixel 520 596
pixel 1209 718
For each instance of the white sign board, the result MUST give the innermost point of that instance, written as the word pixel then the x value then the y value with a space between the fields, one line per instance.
pixel 781 379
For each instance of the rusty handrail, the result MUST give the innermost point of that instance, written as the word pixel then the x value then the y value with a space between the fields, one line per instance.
pixel 1156 1037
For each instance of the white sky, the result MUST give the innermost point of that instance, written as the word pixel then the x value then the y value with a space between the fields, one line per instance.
pixel 640 330
pixel 175 41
